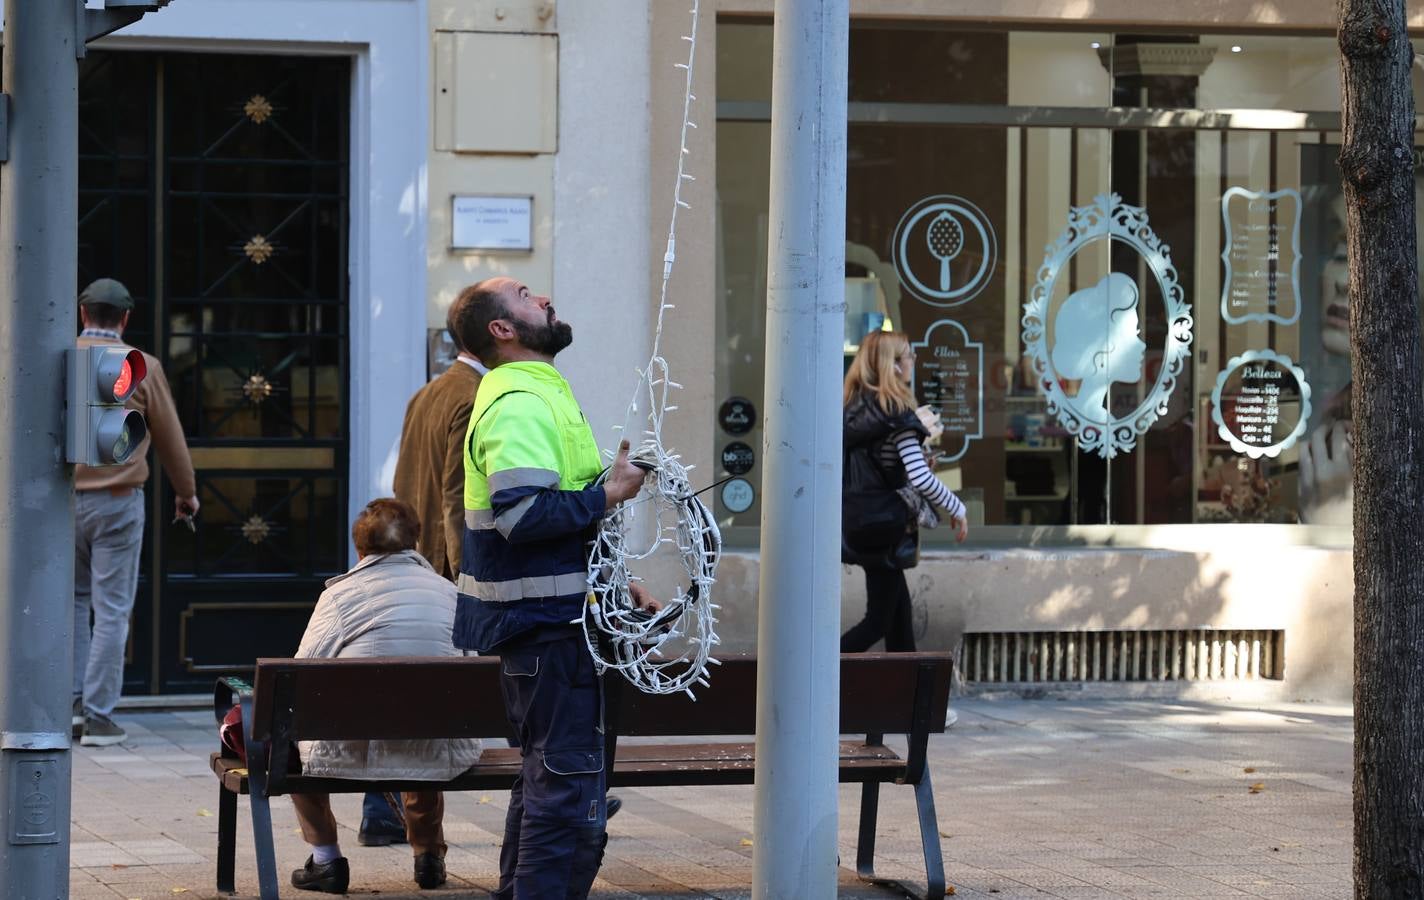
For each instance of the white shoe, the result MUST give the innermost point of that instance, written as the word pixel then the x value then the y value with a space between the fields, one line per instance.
pixel 950 717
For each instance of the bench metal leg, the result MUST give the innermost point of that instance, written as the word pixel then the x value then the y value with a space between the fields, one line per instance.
pixel 262 826
pixel 865 843
pixel 261 807
pixel 227 841
pixel 929 837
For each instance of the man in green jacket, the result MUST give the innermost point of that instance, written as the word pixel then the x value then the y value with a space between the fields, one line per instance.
pixel 532 504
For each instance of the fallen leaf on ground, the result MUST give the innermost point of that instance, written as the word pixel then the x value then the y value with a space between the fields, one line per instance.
pixel 1249 769
pixel 949 890
pixel 1258 787
pixel 205 814
pixel 180 890
pixel 746 842
pixel 484 799
pixel 945 834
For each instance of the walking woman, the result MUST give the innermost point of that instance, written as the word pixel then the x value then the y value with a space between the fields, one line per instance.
pixel 889 491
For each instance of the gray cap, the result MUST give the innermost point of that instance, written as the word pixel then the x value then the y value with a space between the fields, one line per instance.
pixel 108 292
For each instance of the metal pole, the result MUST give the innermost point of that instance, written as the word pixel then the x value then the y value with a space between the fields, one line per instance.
pixel 39 212
pixel 798 680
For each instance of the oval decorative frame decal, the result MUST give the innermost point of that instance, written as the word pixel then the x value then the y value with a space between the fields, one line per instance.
pixel 1096 332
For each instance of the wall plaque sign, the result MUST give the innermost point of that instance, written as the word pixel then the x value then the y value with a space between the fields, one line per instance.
pixel 737 458
pixel 944 250
pixel 1094 336
pixel 1262 256
pixel 738 495
pixel 491 222
pixel 737 415
pixel 1261 403
pixel 949 376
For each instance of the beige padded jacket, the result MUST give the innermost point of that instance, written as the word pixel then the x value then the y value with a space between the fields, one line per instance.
pixel 388 605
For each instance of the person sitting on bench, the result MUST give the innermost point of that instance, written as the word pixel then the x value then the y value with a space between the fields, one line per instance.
pixel 392 603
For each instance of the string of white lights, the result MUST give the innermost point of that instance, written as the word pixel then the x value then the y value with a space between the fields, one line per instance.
pixel 668 651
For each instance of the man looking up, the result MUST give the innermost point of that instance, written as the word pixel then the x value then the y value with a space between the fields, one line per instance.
pixel 531 507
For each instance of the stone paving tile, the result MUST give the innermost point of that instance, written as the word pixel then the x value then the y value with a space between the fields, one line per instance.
pixel 1036 799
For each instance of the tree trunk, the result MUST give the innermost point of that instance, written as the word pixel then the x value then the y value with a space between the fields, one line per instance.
pixel 1377 165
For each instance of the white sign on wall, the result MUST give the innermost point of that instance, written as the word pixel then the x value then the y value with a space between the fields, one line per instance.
pixel 492 222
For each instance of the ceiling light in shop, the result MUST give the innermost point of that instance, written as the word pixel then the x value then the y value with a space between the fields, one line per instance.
pixel 1096 45
pixel 1235 48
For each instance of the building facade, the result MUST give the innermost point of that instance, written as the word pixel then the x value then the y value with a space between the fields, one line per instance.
pixel 1111 230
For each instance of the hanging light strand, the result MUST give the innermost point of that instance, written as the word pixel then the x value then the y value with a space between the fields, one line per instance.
pixel 668 651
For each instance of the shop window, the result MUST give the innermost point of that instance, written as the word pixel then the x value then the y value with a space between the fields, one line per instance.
pixel 1119 259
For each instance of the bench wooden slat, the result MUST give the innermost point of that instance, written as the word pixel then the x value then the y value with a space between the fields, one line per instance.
pixel 876 698
pixel 637 765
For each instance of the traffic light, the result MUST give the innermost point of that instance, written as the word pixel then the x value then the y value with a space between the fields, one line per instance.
pixel 99 431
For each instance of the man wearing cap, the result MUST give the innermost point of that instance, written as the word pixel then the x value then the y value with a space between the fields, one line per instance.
pixel 108 525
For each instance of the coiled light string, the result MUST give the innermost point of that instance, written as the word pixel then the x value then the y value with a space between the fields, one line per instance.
pixel 668 651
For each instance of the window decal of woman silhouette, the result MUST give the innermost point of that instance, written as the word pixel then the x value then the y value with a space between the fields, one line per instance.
pixel 1096 341
pixel 1093 336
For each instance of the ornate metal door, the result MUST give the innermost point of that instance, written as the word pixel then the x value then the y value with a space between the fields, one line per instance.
pixel 215 186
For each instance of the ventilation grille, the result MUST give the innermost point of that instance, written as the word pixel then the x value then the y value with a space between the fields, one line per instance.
pixel 1008 657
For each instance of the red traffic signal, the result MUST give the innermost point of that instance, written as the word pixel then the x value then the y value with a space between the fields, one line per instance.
pixel 99 430
pixel 118 371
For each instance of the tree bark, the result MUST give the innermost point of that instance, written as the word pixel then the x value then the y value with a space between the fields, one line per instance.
pixel 1387 399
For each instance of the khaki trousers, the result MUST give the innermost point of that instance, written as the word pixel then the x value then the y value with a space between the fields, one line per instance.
pixel 424 815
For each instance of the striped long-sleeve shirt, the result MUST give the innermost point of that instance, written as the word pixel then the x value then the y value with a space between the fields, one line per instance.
pixel 903 448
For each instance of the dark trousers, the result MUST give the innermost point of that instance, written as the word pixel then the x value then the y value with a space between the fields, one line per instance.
pixel 887 614
pixel 376 809
pixel 554 832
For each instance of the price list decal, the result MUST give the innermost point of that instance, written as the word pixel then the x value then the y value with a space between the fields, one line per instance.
pixel 1262 256
pixel 1261 403
pixel 949 376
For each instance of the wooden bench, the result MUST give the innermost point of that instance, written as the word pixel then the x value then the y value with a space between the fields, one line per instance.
pixel 352 699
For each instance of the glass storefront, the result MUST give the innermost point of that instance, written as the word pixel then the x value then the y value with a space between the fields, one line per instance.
pixel 1120 260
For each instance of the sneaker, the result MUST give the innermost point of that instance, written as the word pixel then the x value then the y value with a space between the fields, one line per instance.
pixel 429 871
pixel 76 719
pixel 611 804
pixel 329 878
pixel 380 833
pixel 950 717
pixel 101 731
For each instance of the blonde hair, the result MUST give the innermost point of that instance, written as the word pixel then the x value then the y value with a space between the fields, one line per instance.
pixel 873 371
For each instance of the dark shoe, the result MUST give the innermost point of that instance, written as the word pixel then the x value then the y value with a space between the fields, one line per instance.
pixel 76 719
pixel 330 878
pixel 611 805
pixel 429 871
pixel 379 833
pixel 101 731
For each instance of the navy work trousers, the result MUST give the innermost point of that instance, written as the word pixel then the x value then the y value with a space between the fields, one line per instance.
pixel 554 832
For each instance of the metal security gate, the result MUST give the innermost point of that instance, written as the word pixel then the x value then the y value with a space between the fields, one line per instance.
pixel 216 187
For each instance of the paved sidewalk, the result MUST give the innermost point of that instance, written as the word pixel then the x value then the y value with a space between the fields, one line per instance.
pixel 1093 799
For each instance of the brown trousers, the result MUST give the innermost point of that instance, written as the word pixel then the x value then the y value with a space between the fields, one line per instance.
pixel 424 818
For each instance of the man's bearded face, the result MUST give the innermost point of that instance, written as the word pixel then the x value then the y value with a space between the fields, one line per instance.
pixel 548 339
